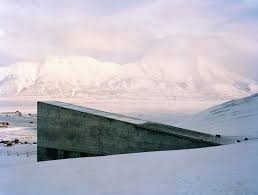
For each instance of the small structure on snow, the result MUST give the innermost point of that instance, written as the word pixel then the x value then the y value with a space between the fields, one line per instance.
pixel 17 113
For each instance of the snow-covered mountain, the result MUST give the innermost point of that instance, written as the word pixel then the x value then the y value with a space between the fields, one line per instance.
pixel 234 118
pixel 85 76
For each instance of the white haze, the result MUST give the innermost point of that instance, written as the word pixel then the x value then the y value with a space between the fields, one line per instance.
pixel 165 32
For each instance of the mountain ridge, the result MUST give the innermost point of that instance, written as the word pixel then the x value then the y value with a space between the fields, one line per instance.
pixel 75 76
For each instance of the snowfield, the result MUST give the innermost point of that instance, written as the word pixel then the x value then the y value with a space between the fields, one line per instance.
pixel 21 127
pixel 17 155
pixel 229 170
pixel 235 118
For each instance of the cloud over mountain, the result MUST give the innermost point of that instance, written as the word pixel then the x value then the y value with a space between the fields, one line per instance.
pixel 175 46
pixel 84 76
pixel 224 31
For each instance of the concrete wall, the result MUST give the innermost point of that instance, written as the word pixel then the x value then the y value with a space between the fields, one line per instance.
pixel 68 131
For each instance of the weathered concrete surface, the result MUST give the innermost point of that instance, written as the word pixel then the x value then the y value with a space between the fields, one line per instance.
pixel 69 131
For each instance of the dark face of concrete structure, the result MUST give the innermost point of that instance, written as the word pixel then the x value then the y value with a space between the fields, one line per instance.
pixel 68 131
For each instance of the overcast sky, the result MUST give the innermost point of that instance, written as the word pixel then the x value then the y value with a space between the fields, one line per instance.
pixel 128 31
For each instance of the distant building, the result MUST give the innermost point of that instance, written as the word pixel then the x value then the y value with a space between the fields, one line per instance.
pixel 18 113
pixel 4 124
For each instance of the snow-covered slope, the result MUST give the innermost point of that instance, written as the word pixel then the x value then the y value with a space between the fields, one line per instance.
pixel 85 76
pixel 234 118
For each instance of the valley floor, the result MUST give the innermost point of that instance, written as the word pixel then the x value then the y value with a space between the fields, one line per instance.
pixel 118 105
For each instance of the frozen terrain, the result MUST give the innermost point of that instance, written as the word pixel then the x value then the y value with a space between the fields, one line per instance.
pixel 20 127
pixel 148 78
pixel 228 170
pixel 17 155
pixel 235 118
pixel 125 105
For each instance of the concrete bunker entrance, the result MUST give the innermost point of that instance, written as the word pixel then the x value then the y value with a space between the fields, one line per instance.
pixel 69 131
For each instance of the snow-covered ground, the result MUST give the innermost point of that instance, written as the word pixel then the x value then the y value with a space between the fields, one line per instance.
pixel 20 127
pixel 229 169
pixel 17 155
pixel 126 105
pixel 234 118
pixel 21 133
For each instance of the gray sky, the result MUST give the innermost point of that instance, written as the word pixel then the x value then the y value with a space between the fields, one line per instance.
pixel 224 32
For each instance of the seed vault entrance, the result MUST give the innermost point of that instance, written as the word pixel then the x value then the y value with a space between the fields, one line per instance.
pixel 69 131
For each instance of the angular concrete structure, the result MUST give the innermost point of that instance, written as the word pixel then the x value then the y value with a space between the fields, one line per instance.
pixel 69 131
